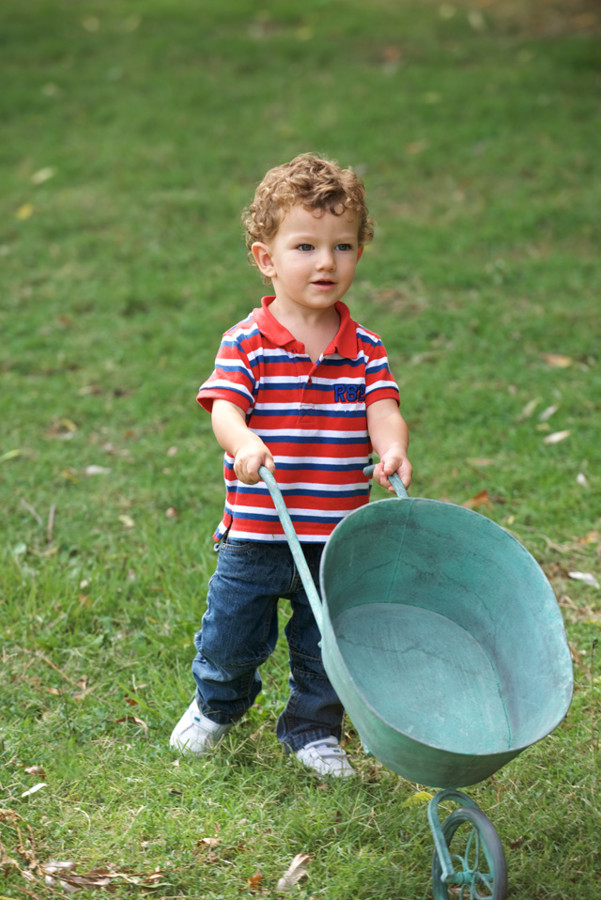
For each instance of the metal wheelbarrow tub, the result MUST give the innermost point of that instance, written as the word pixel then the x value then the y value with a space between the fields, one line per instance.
pixel 443 638
pixel 440 634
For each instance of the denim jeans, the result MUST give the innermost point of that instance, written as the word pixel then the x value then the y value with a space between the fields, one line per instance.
pixel 240 630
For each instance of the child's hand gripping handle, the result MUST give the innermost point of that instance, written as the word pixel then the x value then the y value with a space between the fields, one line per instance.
pixel 399 487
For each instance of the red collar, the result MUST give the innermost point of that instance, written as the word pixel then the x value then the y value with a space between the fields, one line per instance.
pixel 344 343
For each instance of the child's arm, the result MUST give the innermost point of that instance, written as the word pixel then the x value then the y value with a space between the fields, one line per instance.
pixel 239 441
pixel 390 438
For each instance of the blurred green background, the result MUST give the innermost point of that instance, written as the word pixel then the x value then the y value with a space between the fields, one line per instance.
pixel 133 133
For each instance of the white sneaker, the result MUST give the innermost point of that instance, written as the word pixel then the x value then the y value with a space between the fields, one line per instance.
pixel 194 733
pixel 326 757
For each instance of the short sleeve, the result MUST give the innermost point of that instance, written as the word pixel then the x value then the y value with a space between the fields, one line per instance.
pixel 232 378
pixel 379 381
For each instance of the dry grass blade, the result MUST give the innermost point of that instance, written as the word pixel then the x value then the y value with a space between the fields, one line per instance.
pixel 61 875
pixel 60 671
pixel 25 847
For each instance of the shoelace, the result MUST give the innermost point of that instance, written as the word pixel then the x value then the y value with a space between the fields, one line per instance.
pixel 326 750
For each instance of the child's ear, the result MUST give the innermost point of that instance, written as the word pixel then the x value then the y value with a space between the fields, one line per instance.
pixel 262 256
pixel 360 253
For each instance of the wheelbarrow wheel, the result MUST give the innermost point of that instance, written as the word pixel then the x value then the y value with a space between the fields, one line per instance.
pixel 477 855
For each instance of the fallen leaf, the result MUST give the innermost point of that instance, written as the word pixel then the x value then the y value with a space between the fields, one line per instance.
pixel 585 577
pixel 208 842
pixel 417 798
pixel 391 53
pixel 36 683
pixel 447 11
pixel 34 789
pixel 254 882
pixel 62 430
pixel 91 24
pixel 35 770
pixel 43 175
pixel 528 409
pixel 53 868
pixel 127 521
pixel 476 20
pixel 480 462
pixel 64 874
pixel 293 874
pixel 556 437
pixel 96 470
pixel 557 360
pixel 136 720
pixel 547 413
pixel 131 24
pixel 416 147
pixel 581 479
pixel 24 212
pixel 481 499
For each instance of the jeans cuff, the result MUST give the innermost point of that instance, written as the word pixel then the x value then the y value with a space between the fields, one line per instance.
pixel 308 737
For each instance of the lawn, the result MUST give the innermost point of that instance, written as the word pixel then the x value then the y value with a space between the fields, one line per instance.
pixel 133 134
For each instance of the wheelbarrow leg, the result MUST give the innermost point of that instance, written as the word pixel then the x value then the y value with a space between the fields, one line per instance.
pixel 466 839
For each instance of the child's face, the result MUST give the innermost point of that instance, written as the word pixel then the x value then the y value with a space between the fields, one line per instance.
pixel 311 261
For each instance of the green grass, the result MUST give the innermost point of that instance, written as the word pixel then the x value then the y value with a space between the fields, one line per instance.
pixel 133 134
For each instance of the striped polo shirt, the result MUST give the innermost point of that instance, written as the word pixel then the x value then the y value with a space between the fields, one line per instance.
pixel 311 415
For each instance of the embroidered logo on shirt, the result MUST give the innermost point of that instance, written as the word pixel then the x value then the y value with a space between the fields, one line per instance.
pixel 349 393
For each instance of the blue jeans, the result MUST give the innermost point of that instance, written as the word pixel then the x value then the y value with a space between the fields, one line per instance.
pixel 240 630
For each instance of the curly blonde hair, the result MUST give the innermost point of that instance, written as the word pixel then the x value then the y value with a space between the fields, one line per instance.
pixel 309 181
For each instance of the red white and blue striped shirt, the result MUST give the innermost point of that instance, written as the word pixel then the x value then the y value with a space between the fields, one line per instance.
pixel 311 415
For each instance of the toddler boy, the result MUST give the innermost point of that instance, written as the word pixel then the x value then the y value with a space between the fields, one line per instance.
pixel 302 389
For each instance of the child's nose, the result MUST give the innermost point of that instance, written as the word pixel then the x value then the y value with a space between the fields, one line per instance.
pixel 325 259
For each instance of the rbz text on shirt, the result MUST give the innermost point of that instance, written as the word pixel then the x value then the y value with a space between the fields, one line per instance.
pixel 349 393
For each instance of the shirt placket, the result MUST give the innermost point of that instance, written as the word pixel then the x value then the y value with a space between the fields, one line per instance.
pixel 307 404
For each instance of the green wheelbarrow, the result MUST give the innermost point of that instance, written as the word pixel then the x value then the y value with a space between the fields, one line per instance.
pixel 445 643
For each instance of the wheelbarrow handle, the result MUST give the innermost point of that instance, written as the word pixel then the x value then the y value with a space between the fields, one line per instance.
pixel 294 544
pixel 399 487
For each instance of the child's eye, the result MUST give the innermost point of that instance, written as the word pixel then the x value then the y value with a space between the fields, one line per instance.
pixel 305 247
pixel 345 247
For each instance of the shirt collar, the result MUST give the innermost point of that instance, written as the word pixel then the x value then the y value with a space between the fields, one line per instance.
pixel 344 343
